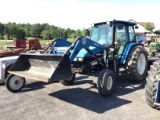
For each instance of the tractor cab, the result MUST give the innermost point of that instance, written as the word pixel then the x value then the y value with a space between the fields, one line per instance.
pixel 114 31
pixel 114 34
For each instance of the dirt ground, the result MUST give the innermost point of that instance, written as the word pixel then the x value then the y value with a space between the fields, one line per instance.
pixel 81 101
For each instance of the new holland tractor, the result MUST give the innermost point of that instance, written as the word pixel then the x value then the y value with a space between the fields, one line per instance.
pixel 112 45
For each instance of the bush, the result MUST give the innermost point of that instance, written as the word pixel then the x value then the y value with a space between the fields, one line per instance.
pixel 1 37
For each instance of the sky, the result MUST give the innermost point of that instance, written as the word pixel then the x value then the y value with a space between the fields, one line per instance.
pixel 78 14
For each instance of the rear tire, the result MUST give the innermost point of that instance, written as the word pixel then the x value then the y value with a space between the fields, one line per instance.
pixel 137 64
pixel 69 82
pixel 151 83
pixel 106 82
pixel 14 83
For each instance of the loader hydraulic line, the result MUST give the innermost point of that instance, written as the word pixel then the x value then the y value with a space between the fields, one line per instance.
pixel 50 45
pixel 94 56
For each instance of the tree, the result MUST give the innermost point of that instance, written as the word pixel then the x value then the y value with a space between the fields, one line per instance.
pixel 85 32
pixel 1 29
pixel 20 34
pixel 73 35
pixel 10 30
pixel 45 34
pixel 27 29
pixel 45 26
pixel 148 27
pixel 157 32
pixel 53 31
pixel 20 31
pixel 36 30
pixel 78 32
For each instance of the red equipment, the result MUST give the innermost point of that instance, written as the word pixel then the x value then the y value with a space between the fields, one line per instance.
pixel 19 46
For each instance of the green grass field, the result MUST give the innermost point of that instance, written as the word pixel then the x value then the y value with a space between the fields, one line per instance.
pixel 3 43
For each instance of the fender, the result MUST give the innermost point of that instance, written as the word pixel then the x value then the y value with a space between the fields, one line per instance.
pixel 6 71
pixel 126 51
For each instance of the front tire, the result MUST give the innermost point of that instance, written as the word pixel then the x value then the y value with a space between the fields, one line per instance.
pixel 106 82
pixel 14 83
pixel 151 83
pixel 137 64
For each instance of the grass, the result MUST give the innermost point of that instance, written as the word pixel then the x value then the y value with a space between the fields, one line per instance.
pixel 157 38
pixel 3 43
pixel 71 39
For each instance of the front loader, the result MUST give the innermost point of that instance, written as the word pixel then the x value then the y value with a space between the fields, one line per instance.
pixel 112 45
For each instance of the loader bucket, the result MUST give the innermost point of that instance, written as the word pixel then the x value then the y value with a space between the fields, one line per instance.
pixel 43 67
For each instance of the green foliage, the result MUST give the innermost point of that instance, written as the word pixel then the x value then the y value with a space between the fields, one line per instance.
pixel 85 32
pixel 148 27
pixel 157 32
pixel 12 31
pixel 20 34
pixel 27 29
pixel 78 32
pixel 45 34
pixel 36 30
pixel 42 31
pixel 1 29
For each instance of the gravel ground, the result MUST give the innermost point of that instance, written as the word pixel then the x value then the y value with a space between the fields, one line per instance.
pixel 81 101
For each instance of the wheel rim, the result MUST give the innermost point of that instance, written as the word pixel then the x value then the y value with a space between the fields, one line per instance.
pixel 141 65
pixel 109 83
pixel 16 82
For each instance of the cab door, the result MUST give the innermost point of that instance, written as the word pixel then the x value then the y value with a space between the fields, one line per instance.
pixel 121 38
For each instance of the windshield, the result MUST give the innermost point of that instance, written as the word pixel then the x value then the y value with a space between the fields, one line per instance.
pixel 102 34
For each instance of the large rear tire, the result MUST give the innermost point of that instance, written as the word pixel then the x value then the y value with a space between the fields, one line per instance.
pixel 69 82
pixel 14 83
pixel 137 64
pixel 106 82
pixel 151 83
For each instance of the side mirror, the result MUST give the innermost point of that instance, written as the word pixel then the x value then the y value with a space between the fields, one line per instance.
pixel 136 27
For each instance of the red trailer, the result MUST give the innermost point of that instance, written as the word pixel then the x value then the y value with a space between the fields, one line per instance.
pixel 20 46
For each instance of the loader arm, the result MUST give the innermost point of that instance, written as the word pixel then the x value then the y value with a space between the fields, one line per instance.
pixel 83 43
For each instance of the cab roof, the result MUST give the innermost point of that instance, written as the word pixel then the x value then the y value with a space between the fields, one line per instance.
pixel 116 21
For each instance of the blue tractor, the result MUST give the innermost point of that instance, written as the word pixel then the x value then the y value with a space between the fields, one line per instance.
pixel 112 45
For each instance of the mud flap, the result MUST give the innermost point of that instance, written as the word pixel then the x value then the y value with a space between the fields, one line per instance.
pixel 42 67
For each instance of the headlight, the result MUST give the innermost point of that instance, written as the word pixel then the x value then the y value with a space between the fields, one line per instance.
pixel 80 59
pixel 75 59
pixel 3 66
